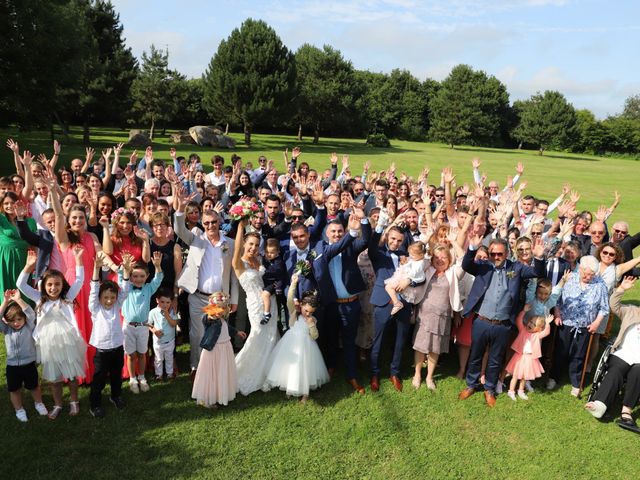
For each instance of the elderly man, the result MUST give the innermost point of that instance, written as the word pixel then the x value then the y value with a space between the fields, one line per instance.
pixel 494 300
pixel 207 270
pixel 623 364
pixel 626 242
pixel 583 305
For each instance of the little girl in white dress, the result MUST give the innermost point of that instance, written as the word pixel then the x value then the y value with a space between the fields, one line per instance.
pixel 412 270
pixel 296 364
pixel 60 347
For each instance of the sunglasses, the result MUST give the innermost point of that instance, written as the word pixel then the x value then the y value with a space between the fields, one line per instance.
pixel 496 254
pixel 536 233
pixel 609 253
pixel 206 224
pixel 619 231
pixel 297 217
pixel 599 232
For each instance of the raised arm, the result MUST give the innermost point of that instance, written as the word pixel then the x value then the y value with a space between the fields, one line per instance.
pixel 291 306
pixel 107 168
pixel 22 282
pixel 236 261
pixel 60 231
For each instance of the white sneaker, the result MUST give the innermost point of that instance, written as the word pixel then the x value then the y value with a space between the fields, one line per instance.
pixel 522 395
pixel 144 386
pixel 499 387
pixel 528 387
pixel 575 392
pixel 133 386
pixel 551 384
pixel 512 395
pixel 22 415
pixel 41 409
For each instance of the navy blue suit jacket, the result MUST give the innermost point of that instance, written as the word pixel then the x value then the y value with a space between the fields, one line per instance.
pixel 483 271
pixel 383 266
pixel 351 276
pixel 315 230
pixel 319 278
pixel 43 239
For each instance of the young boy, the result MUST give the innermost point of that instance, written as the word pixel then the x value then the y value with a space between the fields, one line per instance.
pixel 105 302
pixel 135 311
pixel 163 327
pixel 18 322
pixel 275 277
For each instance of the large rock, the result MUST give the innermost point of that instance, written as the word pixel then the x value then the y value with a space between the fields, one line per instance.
pixel 182 137
pixel 139 138
pixel 207 136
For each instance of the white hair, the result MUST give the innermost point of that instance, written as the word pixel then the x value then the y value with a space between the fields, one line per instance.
pixel 151 182
pixel 590 262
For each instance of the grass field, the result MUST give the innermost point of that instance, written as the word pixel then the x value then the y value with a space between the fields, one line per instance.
pixel 338 434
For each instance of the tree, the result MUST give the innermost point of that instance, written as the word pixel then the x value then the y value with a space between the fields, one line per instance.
pixel 110 69
pixel 251 78
pixel 546 120
pixel 624 134
pixel 469 107
pixel 591 135
pixel 632 108
pixel 43 46
pixel 156 90
pixel 325 82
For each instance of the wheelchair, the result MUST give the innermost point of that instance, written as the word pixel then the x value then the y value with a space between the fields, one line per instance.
pixel 600 372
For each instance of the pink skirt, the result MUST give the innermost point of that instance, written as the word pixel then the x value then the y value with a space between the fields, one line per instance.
pixel 216 380
pixel 462 334
pixel 524 367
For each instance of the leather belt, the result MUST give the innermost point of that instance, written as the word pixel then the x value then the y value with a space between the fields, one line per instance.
pixel 494 322
pixel 347 300
pixel 200 292
pixel 137 324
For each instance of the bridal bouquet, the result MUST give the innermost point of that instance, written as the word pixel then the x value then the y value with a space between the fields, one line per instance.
pixel 243 209
pixel 302 268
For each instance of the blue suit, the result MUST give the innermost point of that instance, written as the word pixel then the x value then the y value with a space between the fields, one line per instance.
pixel 384 268
pixel 315 230
pixel 496 336
pixel 344 317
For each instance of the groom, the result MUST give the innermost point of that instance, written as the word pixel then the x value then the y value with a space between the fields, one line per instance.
pixel 207 270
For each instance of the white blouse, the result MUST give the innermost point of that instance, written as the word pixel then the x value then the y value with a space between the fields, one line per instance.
pixel 629 350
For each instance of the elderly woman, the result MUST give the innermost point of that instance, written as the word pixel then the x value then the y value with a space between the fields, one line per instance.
pixel 441 300
pixel 584 304
pixel 624 363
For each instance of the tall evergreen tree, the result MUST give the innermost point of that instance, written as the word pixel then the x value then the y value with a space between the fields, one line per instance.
pixel 546 120
pixel 155 90
pixel 251 78
pixel 325 82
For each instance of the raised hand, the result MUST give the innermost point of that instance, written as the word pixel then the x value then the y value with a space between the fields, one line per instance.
pixel 367 166
pixel 172 153
pixel 574 196
pixel 27 158
pixel 156 259
pixel 602 213
pixel 295 152
pixel 13 146
pixel 117 149
pixel 32 258
pixel 538 248
pixel 56 147
pixel 318 194
pixel 141 233
pixel 334 158
pixel 148 154
pixel 21 209
pixel 566 188
pixel 287 209
pixel 98 262
pixel 219 207
pixel 104 223
pixel 89 153
pixel 78 250
pixel 548 319
pixel 345 162
pixel 127 263
pixel 627 283
pixel 476 162
pixel 448 175
pixel 520 168
pixel 133 158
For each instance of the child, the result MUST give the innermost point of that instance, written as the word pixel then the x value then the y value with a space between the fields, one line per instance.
pixel 412 270
pixel 296 364
pixel 524 365
pixel 105 302
pixel 18 323
pixel 59 346
pixel 135 310
pixel 215 381
pixel 274 277
pixel 163 327
pixel 542 297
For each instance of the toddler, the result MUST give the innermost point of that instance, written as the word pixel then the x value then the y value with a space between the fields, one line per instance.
pixel 275 277
pixel 18 323
pixel 162 324
pixel 413 270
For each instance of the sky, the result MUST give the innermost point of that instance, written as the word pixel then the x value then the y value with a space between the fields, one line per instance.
pixel 582 48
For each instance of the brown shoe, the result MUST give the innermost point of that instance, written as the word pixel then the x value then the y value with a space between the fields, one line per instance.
pixel 397 383
pixel 375 384
pixel 356 386
pixel 466 393
pixel 332 372
pixel 490 398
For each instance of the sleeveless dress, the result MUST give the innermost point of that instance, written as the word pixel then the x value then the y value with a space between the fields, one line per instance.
pixel 524 366
pixel 60 349
pixel 296 364
pixel 216 380
pixel 13 252
pixel 81 310
pixel 434 313
pixel 251 361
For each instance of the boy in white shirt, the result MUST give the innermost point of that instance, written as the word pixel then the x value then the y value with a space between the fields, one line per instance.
pixel 162 324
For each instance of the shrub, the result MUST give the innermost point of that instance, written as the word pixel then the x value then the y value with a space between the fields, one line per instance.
pixel 379 140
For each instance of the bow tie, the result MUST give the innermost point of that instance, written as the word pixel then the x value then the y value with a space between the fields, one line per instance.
pixel 303 252
pixel 136 288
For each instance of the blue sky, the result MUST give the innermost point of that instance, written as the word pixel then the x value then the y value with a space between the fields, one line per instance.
pixel 583 48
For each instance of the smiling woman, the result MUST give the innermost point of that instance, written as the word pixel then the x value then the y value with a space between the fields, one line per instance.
pixel 13 250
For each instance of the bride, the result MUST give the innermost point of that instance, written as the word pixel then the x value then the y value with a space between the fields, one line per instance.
pixel 251 361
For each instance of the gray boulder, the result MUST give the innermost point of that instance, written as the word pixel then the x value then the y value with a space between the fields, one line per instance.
pixel 211 137
pixel 139 138
pixel 182 137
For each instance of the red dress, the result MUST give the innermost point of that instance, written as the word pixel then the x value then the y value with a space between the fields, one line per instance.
pixel 81 308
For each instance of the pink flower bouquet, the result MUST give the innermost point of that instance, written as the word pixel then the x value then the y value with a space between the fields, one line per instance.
pixel 243 209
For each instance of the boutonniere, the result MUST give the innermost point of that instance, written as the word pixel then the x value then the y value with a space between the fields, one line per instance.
pixel 312 255
pixel 511 274
pixel 224 247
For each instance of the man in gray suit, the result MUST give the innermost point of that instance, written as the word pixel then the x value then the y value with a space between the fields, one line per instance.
pixel 207 270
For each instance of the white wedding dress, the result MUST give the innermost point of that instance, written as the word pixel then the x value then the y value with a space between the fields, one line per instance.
pixel 251 361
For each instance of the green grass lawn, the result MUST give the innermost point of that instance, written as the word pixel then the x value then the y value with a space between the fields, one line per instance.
pixel 338 434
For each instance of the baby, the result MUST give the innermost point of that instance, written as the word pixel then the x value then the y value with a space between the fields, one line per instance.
pixel 412 270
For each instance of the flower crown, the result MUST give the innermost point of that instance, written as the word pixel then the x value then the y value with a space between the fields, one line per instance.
pixel 121 211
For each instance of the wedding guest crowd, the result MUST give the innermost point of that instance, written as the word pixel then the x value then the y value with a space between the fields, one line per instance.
pixel 284 268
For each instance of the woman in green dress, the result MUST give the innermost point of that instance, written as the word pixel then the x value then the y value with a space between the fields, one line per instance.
pixel 13 250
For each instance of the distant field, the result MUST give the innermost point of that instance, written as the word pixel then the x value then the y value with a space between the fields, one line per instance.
pixel 336 435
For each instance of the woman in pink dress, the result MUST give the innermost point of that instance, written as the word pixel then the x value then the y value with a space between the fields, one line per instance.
pixel 126 238
pixel 67 234
pixel 525 364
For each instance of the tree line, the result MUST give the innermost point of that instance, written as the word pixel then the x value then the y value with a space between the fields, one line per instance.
pixel 66 62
